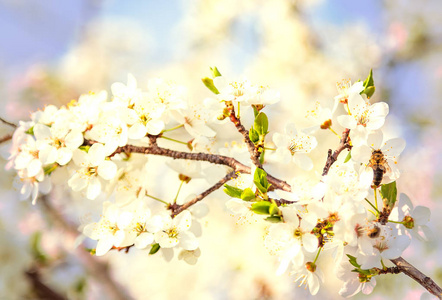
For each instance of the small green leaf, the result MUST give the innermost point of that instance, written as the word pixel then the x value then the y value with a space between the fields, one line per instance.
pixel 36 249
pixel 30 131
pixel 255 111
pixel 261 207
pixel 154 249
pixel 261 123
pixel 85 148
pixel 208 82
pixel 50 168
pixel 353 261
pixel 389 192
pixel 348 157
pixel 369 87
pixel 260 180
pixel 274 219
pixel 253 135
pixel 248 194
pixel 273 209
pixel 233 191
pixel 215 72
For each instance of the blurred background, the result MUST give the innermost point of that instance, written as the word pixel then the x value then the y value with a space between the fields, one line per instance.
pixel 51 53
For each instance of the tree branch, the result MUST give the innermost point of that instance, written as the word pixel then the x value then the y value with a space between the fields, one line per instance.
pixel 5 138
pixel 176 208
pixel 425 281
pixel 332 157
pixel 41 290
pixel 212 158
pixel 8 123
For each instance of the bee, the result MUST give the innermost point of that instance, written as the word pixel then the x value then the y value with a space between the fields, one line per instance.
pixel 379 164
pixel 373 232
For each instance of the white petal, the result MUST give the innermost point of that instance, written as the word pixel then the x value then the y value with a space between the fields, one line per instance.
pixel 96 154
pixel 374 139
pixel 143 240
pixel 64 155
pixel 48 155
pixel 164 240
pixel 421 215
pixel 107 170
pixel 361 154
pixel 188 240
pixel 183 221
pixel 347 121
pixel 42 132
pixel 93 189
pixel 155 127
pixel 34 167
pixel 310 242
pixel 103 246
pixel 303 161
pixel 393 148
pixel 77 182
pixel 74 139
pixel 137 131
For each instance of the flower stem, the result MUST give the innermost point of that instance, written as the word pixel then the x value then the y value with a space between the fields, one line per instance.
pixel 173 140
pixel 266 148
pixel 178 192
pixel 335 133
pixel 317 255
pixel 155 198
pixel 173 128
pixel 372 205
pixel 396 222
pixel 376 198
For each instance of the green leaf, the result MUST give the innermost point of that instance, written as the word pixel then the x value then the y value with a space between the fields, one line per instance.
pixel 253 135
pixel 348 157
pixel 215 72
pixel 261 207
pixel 260 180
pixel 273 209
pixel 248 194
pixel 154 249
pixel 274 219
pixel 208 82
pixel 369 87
pixel 353 261
pixel 261 123
pixel 30 131
pixel 50 168
pixel 233 191
pixel 389 192
pixel 255 111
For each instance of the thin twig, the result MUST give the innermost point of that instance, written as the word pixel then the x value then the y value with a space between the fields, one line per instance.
pixel 332 157
pixel 8 123
pixel 425 281
pixel 176 208
pixel 5 138
pixel 41 290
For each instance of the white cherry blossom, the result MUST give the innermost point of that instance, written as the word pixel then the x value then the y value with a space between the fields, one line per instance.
pixel 176 232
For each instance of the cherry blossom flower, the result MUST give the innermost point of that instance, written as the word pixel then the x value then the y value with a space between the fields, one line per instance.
pixel 91 166
pixel 363 117
pixel 293 146
pixel 176 232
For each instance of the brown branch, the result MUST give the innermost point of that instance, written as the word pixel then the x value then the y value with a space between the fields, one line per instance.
pixel 212 158
pixel 8 123
pixel 425 281
pixel 41 290
pixel 176 208
pixel 99 271
pixel 332 157
pixel 5 138
pixel 254 151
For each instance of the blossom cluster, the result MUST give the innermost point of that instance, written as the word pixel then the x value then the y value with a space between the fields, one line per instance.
pixel 349 216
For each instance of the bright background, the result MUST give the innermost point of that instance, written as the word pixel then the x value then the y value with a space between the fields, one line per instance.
pixel 51 53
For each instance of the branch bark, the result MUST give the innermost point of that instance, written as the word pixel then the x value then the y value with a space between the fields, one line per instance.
pixel 425 281
pixel 332 157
